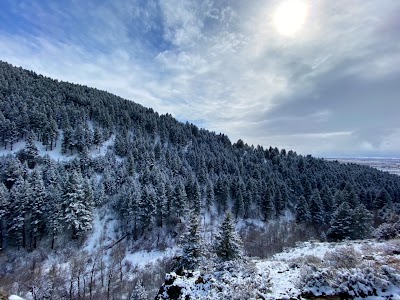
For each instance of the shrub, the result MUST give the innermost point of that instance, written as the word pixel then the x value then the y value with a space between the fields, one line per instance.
pixel 344 257
pixel 387 231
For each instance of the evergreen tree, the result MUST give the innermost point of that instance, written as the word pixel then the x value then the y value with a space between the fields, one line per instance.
pixel 191 244
pixel 4 211
pixel 328 203
pixel 267 204
pixel 16 223
pixel 221 191
pixel 303 211
pixel 382 198
pixel 31 151
pixel 209 194
pixel 161 205
pixel 196 200
pixel 146 208
pixel 353 199
pixel 77 213
pixel 139 292
pixel 67 140
pixel 316 209
pixel 278 203
pixel 362 222
pixel 228 245
pixel 54 216
pixel 36 207
pixel 180 200
pixel 341 223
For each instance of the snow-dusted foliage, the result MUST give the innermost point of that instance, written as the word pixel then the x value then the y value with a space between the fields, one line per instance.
pixel 387 231
pixel 229 280
pixel 228 245
pixel 191 244
pixel 346 272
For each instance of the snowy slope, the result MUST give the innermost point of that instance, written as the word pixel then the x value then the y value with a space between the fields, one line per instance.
pixel 357 269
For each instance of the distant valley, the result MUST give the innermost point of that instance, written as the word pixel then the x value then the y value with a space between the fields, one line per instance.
pixel 391 165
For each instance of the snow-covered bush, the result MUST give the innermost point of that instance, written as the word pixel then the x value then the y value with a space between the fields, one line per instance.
pixel 344 257
pixel 355 282
pixel 387 231
pixel 229 280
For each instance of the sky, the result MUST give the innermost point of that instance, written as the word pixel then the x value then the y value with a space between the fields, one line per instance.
pixel 322 77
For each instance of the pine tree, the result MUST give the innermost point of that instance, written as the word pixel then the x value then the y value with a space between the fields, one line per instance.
pixel 191 244
pixel 161 205
pixel 36 207
pixel 278 203
pixel 328 203
pixel 54 217
pixel 180 200
pixel 362 222
pixel 228 245
pixel 196 200
pixel 353 199
pixel 221 191
pixel 382 198
pixel 67 140
pixel 77 213
pixel 4 211
pixel 267 204
pixel 31 151
pixel 139 292
pixel 303 211
pixel 316 209
pixel 16 223
pixel 341 223
pixel 209 194
pixel 146 208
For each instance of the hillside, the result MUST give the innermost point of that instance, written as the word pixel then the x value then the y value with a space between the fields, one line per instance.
pixel 311 270
pixel 91 179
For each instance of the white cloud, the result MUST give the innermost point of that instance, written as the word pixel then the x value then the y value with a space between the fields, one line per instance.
pixel 221 64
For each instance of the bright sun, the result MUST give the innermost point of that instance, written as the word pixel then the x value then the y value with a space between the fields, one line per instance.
pixel 290 16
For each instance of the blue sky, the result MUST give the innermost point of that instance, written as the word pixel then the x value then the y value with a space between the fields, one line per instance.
pixel 330 89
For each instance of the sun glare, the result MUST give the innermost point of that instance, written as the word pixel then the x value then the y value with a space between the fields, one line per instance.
pixel 290 16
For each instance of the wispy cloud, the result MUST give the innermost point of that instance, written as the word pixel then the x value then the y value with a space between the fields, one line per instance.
pixel 224 65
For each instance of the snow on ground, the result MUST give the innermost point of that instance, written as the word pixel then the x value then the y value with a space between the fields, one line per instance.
pixel 15 297
pixel 285 268
pixel 16 147
pixel 55 153
pixel 102 150
pixel 143 258
pixel 103 232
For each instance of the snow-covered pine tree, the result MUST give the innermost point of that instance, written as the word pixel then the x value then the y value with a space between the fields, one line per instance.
pixel 54 216
pixel 16 223
pixel 31 151
pixel 362 222
pixel 316 208
pixel 77 213
pixel 161 204
pixel 36 207
pixel 146 208
pixel 228 245
pixel 139 292
pixel 267 203
pixel 303 211
pixel 328 203
pixel 341 223
pixel 180 200
pixel 4 211
pixel 191 244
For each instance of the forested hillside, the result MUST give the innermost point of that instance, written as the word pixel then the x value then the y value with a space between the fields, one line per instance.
pixel 151 170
